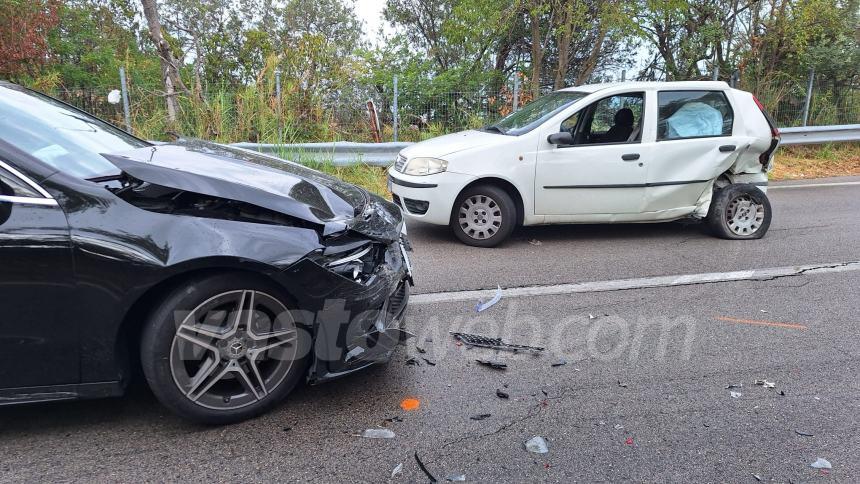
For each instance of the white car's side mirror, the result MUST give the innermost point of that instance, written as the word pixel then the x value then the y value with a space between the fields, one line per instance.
pixel 562 138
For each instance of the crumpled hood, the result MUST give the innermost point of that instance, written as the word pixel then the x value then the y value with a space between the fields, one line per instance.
pixel 264 181
pixel 442 146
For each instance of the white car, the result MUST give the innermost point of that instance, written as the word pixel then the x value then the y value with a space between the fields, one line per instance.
pixel 603 153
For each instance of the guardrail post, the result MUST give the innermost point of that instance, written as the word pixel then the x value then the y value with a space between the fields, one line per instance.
pixel 125 108
pixel 394 110
pixel 516 100
pixel 808 99
pixel 623 75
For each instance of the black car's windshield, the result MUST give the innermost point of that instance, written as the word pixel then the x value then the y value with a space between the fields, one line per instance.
pixel 535 113
pixel 67 139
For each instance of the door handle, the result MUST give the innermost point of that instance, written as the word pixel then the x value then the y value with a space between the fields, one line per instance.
pixel 727 148
pixel 630 157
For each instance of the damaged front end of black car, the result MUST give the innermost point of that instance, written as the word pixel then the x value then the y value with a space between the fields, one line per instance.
pixel 225 275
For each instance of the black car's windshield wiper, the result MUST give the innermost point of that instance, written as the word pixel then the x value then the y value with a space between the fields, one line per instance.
pixel 495 128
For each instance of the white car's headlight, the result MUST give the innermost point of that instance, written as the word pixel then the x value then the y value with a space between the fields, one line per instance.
pixel 425 166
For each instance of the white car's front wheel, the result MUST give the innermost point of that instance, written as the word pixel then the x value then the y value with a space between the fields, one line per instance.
pixel 483 216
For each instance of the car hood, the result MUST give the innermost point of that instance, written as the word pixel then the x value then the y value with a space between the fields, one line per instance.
pixel 448 144
pixel 265 181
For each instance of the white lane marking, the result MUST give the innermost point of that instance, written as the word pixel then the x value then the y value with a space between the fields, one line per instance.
pixel 639 283
pixel 814 185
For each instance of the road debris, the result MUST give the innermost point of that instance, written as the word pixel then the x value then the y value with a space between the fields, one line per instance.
pixel 733 385
pixel 629 441
pixel 412 362
pixel 491 343
pixel 410 404
pixel 378 434
pixel 618 426
pixel 502 394
pixel 757 477
pixel 622 385
pixel 424 469
pixel 455 477
pixel 803 434
pixel 429 362
pixel 398 469
pixel 393 419
pixel 535 242
pixel 560 362
pixel 765 383
pixel 480 416
pixel 483 306
pixel 496 365
pixel 821 463
pixel 591 316
pixel 420 350
pixel 537 445
pixel 736 394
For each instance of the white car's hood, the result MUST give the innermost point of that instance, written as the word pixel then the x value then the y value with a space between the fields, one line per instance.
pixel 452 143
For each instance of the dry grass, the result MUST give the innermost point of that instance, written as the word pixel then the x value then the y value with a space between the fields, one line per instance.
pixel 799 162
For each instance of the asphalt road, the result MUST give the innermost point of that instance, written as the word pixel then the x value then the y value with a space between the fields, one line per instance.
pixel 642 395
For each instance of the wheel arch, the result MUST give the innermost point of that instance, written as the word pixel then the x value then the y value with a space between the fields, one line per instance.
pixel 505 185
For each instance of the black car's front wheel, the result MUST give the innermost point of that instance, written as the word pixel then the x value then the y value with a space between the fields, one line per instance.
pixel 223 348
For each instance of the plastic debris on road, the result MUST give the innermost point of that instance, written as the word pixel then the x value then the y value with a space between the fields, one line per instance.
pixel 629 441
pixel 412 362
pixel 423 468
pixel 821 463
pixel 560 362
pixel 378 434
pixel 496 365
pixel 621 384
pixel 618 426
pixel 429 362
pixel 734 385
pixel 483 306
pixel 757 477
pixel 398 469
pixel 455 477
pixel 480 416
pixel 736 394
pixel 535 242
pixel 502 394
pixel 410 404
pixel 765 383
pixel 537 445
pixel 803 434
pixel 491 343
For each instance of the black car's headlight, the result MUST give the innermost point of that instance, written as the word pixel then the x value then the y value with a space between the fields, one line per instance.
pixel 355 260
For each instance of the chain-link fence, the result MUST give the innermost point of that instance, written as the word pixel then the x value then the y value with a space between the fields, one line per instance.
pixel 251 113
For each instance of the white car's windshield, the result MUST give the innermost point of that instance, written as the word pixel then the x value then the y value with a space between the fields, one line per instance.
pixel 67 139
pixel 535 113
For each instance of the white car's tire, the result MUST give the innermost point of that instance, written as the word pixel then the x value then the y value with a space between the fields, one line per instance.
pixel 739 212
pixel 483 216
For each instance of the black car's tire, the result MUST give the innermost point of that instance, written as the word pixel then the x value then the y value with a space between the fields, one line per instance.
pixel 182 358
pixel 739 212
pixel 483 216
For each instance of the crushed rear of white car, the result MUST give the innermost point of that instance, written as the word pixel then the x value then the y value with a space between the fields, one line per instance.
pixel 610 153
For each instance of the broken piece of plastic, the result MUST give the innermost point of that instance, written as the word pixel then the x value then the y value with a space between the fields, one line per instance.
pixel 502 394
pixel 821 463
pixel 560 362
pixel 803 434
pixel 378 434
pixel 492 343
pixel 537 445
pixel 765 383
pixel 483 306
pixel 535 242
pixel 496 365
pixel 736 394
pixel 455 477
pixel 398 469
pixel 423 468
pixel 354 353
pixel 480 417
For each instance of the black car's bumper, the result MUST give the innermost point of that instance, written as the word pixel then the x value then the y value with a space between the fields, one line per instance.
pixel 354 324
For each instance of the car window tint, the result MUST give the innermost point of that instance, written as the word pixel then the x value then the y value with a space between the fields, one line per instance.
pixel 63 137
pixel 11 185
pixel 693 114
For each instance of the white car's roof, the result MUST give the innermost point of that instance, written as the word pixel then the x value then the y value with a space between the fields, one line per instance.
pixel 648 85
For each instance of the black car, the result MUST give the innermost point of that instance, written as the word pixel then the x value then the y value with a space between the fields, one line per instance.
pixel 225 274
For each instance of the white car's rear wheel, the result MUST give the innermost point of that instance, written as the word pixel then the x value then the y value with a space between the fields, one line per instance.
pixel 740 211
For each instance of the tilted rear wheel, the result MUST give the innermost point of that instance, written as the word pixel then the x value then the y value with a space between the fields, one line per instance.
pixel 740 211
pixel 483 216
pixel 223 348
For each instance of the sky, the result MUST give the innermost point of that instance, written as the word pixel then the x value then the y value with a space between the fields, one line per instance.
pixel 370 11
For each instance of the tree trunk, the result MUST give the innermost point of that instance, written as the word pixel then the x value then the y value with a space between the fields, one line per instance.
pixel 537 52
pixel 564 39
pixel 593 56
pixel 170 70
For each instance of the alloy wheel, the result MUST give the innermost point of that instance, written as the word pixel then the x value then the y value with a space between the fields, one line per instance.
pixel 233 349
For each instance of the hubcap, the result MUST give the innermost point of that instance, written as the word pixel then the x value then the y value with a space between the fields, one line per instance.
pixel 480 217
pixel 233 349
pixel 744 216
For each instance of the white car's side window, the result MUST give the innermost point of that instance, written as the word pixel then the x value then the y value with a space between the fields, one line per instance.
pixel 693 114
pixel 611 120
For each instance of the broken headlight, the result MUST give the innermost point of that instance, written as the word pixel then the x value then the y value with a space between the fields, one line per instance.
pixel 356 262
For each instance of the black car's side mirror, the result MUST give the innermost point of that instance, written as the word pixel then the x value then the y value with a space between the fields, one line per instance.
pixel 563 138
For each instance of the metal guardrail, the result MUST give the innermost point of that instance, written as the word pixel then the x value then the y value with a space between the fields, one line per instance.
pixel 820 134
pixel 383 154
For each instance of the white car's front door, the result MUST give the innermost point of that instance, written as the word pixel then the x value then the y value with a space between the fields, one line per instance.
pixel 602 169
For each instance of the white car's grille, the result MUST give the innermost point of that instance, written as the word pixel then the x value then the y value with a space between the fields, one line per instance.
pixel 400 164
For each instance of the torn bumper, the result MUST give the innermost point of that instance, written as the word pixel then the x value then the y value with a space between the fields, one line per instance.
pixel 354 324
